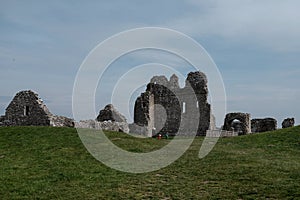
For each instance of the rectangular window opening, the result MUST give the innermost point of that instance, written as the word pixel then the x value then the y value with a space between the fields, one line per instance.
pixel 26 110
pixel 183 107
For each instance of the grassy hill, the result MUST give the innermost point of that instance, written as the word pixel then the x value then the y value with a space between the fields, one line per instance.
pixel 52 163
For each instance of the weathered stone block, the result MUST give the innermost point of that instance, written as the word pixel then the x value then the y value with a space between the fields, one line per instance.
pixel 110 113
pixel 289 122
pixel 263 125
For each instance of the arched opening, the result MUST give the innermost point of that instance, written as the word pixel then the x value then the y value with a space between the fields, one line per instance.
pixel 197 104
pixel 239 122
pixel 236 126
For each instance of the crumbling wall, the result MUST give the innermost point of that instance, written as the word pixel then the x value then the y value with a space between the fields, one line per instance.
pixel 110 113
pixel 164 109
pixel 105 125
pixel 198 82
pixel 109 118
pixel 61 121
pixel 243 123
pixel 167 108
pixel 27 109
pixel 289 122
pixel 212 125
pixel 157 110
pixel 263 125
pixel 2 118
pixel 142 108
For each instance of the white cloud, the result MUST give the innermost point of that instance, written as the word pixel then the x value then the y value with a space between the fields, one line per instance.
pixel 270 24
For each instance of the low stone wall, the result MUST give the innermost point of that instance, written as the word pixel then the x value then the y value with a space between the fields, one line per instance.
pixel 263 125
pixel 221 133
pixel 106 125
pixel 55 121
pixel 61 121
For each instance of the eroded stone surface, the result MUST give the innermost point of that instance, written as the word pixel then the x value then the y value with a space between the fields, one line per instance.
pixel 105 125
pixel 27 109
pixel 166 108
pixel 4 121
pixel 289 122
pixel 238 122
pixel 263 125
pixel 110 113
pixel 61 121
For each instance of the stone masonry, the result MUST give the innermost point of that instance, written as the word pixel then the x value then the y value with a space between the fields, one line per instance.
pixel 289 122
pixel 105 125
pixel 111 119
pixel 27 109
pixel 110 113
pixel 263 125
pixel 238 122
pixel 166 108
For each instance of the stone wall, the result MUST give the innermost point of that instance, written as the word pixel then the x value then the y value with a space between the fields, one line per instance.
pixel 27 109
pixel 109 119
pixel 2 118
pixel 105 125
pixel 289 122
pixel 110 113
pixel 61 121
pixel 220 133
pixel 197 109
pixel 4 121
pixel 238 122
pixel 166 108
pixel 263 125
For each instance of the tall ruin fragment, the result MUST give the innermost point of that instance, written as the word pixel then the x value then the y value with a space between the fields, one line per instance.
pixel 166 108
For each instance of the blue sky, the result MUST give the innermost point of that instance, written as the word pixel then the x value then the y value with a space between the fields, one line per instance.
pixel 255 44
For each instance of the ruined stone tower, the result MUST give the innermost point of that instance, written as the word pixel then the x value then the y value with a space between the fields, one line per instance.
pixel 167 108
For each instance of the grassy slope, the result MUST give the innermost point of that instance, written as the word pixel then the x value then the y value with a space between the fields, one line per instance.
pixel 51 163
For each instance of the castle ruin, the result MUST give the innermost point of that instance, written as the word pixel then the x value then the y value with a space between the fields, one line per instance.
pixel 165 108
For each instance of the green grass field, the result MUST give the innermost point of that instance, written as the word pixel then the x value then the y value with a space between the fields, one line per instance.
pixel 52 163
